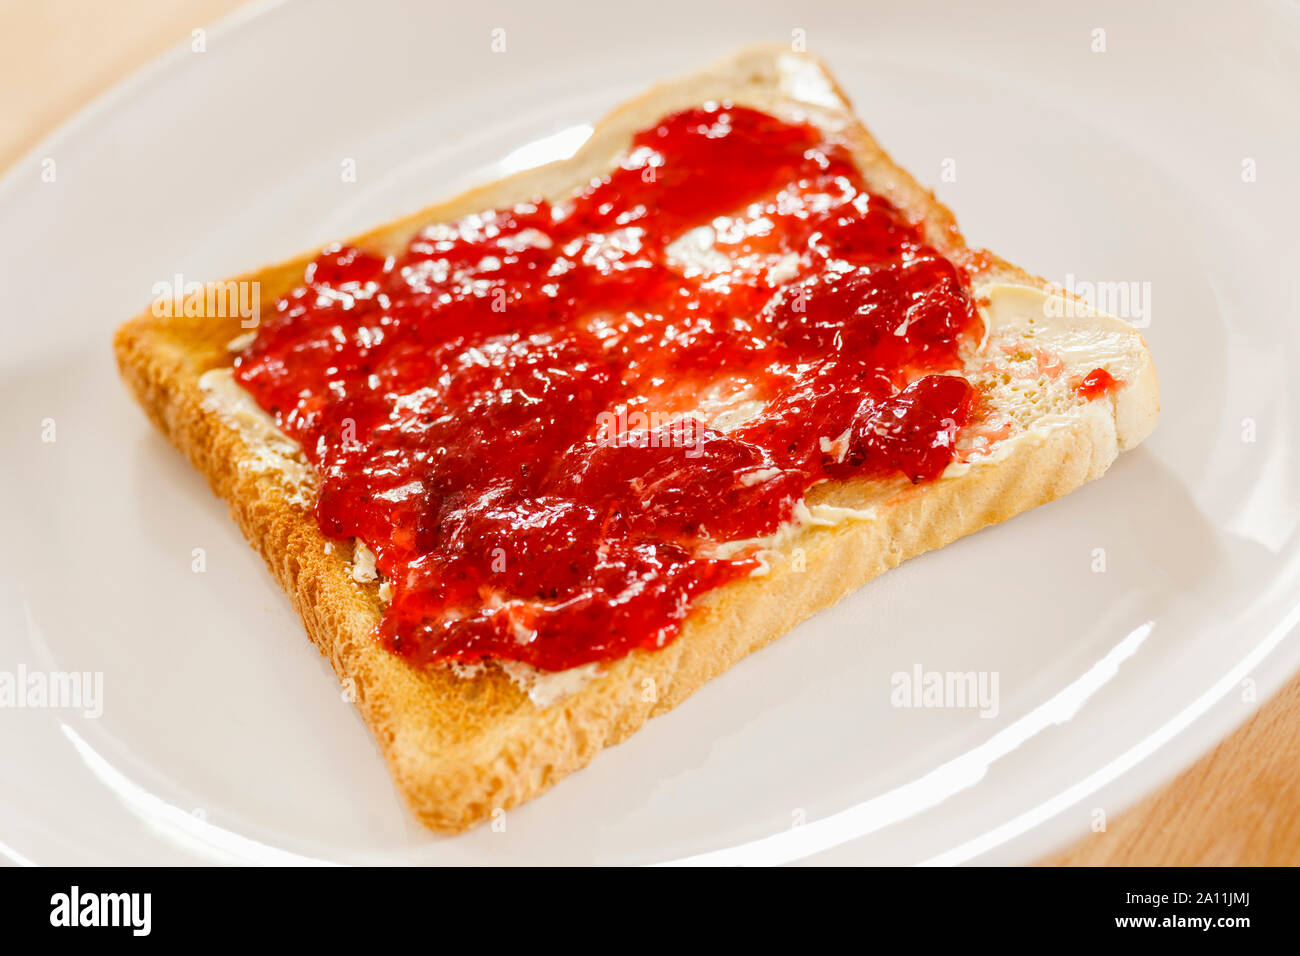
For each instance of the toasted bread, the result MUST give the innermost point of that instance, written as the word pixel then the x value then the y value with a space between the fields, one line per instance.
pixel 462 746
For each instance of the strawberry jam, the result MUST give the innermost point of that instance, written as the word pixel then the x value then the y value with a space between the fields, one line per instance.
pixel 1096 383
pixel 545 419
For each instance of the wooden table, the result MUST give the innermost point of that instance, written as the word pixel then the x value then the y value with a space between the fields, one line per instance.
pixel 1239 805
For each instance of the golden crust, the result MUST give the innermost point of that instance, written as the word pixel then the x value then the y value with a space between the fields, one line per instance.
pixel 460 748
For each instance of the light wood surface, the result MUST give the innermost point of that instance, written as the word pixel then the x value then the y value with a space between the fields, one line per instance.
pixel 1238 805
pixel 57 55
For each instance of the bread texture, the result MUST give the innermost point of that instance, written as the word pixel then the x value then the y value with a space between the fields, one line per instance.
pixel 460 747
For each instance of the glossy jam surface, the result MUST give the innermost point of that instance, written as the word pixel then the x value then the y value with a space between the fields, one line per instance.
pixel 1096 383
pixel 544 419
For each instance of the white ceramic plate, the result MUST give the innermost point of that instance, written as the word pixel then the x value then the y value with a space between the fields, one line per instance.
pixel 223 734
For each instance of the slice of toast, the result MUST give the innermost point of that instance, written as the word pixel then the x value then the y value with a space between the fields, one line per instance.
pixel 462 746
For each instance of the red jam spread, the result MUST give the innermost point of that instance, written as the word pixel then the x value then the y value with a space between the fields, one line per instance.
pixel 1096 383
pixel 544 419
